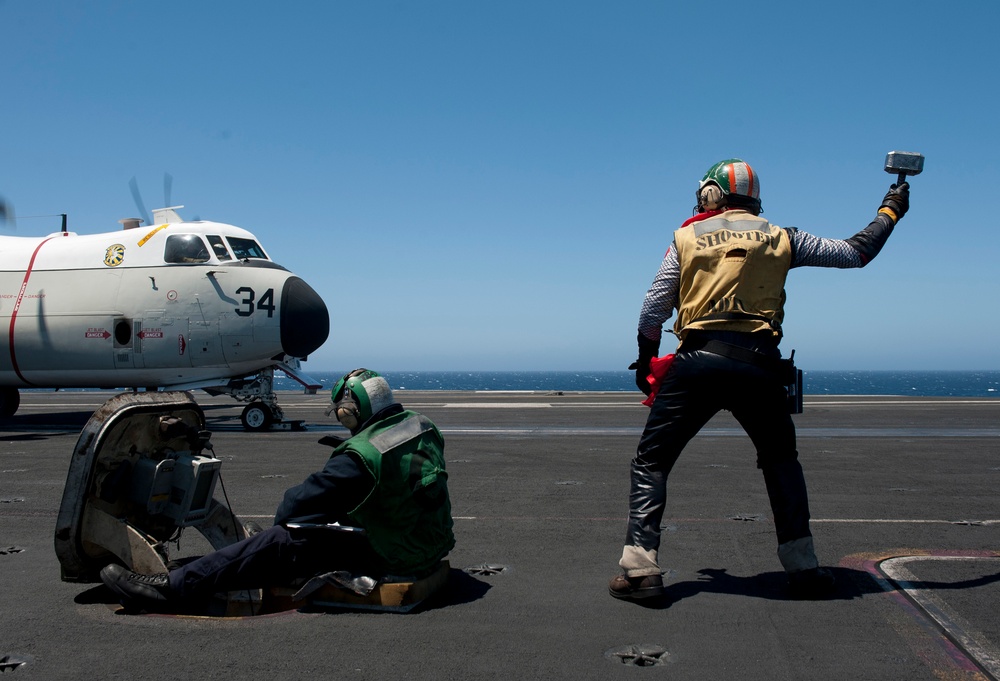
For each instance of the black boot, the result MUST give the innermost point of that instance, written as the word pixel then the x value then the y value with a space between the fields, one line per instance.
pixel 137 592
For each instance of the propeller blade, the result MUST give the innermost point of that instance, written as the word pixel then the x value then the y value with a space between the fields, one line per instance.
pixel 168 183
pixel 6 212
pixel 134 186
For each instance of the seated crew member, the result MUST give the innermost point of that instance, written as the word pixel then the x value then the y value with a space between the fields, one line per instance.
pixel 389 479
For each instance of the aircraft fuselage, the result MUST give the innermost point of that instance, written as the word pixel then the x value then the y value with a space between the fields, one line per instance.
pixel 160 306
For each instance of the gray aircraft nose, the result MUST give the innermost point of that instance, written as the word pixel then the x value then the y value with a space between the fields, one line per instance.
pixel 305 321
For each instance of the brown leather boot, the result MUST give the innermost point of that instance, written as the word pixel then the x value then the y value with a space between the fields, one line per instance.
pixel 636 588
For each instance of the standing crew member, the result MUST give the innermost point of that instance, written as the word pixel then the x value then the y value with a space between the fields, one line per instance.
pixel 388 479
pixel 725 274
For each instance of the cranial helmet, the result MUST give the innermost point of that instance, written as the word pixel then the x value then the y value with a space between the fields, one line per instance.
pixel 359 395
pixel 731 183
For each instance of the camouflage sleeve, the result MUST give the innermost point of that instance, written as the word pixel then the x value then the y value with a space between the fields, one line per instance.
pixel 859 250
pixel 661 298
pixel 809 250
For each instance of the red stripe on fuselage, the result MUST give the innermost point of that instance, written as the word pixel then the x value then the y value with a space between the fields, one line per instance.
pixel 17 306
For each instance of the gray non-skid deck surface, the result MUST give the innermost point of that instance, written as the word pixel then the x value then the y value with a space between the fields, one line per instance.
pixel 538 484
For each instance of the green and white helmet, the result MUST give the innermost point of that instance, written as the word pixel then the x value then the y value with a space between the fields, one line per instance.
pixel 359 395
pixel 731 183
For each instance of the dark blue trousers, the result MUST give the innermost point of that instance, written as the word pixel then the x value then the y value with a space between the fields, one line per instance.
pixel 275 557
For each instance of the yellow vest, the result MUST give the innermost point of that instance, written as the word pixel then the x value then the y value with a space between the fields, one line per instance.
pixel 733 269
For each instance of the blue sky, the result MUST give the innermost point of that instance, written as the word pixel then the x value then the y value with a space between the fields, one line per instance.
pixel 492 185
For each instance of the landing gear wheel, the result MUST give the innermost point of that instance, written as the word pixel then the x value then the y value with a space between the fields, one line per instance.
pixel 10 400
pixel 256 417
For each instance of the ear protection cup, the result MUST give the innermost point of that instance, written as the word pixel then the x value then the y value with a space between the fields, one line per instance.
pixel 348 414
pixel 710 197
pixel 346 408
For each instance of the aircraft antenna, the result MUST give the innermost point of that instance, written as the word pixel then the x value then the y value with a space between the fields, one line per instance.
pixel 48 215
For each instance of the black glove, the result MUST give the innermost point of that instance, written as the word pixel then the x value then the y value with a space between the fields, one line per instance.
pixel 897 200
pixel 647 351
pixel 641 368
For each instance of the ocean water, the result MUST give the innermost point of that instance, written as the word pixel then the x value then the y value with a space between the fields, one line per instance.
pixel 983 384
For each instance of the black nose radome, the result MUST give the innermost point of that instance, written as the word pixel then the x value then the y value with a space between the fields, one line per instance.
pixel 305 321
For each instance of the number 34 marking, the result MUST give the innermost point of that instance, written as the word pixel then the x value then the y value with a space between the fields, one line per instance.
pixel 249 304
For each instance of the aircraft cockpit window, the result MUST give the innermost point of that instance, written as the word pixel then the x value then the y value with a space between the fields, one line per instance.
pixel 245 249
pixel 183 248
pixel 219 246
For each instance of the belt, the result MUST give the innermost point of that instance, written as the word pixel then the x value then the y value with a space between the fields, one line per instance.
pixel 783 368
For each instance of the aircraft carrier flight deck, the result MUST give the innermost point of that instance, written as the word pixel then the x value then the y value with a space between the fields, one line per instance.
pixel 903 494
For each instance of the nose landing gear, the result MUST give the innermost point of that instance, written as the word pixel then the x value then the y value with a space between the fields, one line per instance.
pixel 263 411
pixel 256 417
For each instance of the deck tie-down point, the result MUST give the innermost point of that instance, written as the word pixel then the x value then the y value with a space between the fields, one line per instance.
pixel 640 655
pixel 486 570
pixel 746 517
